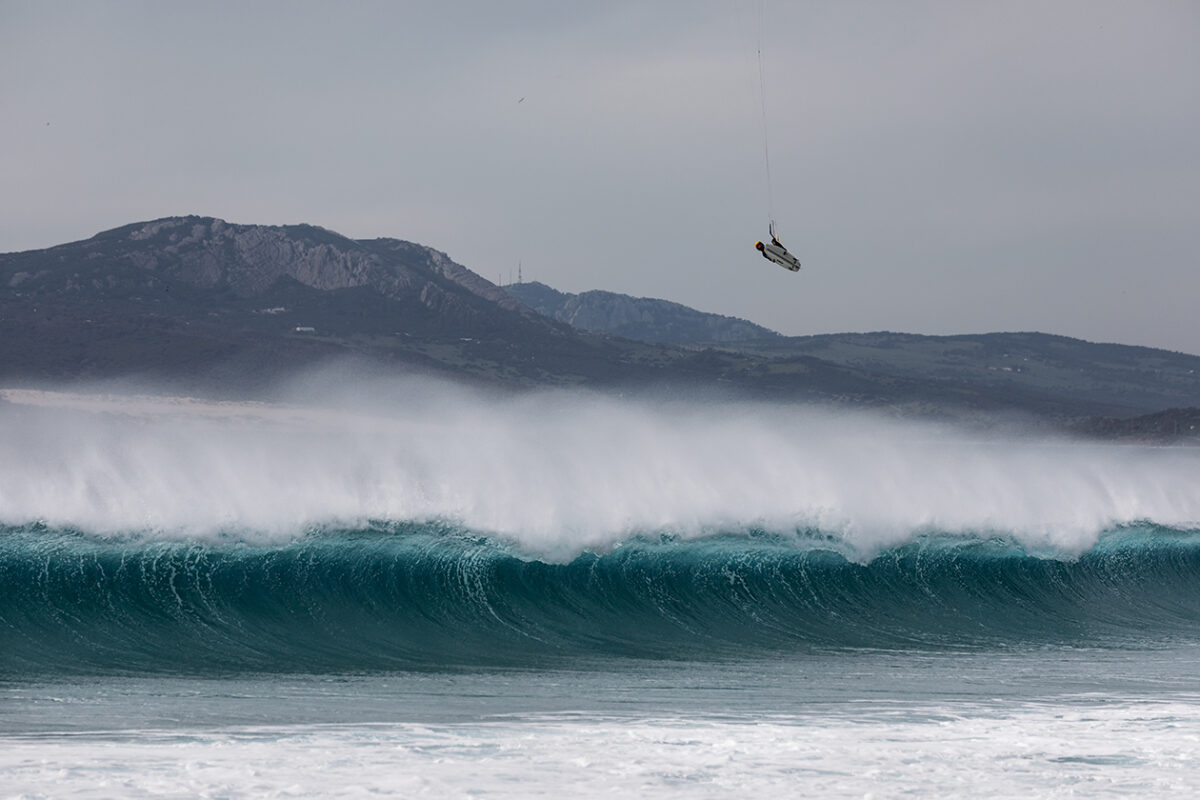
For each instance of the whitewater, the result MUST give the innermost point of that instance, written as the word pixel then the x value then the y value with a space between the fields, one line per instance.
pixel 557 474
pixel 409 587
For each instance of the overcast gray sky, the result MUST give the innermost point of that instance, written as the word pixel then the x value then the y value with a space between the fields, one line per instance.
pixel 939 167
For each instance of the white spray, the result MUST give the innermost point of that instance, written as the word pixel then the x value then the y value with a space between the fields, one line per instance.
pixel 559 472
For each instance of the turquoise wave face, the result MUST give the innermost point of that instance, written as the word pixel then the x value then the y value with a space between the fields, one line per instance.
pixel 412 596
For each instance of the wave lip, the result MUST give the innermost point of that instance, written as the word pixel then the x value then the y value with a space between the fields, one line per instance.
pixel 403 596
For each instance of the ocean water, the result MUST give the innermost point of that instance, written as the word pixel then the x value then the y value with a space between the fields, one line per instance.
pixel 415 590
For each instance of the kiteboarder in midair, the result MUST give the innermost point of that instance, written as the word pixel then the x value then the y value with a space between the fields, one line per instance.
pixel 776 252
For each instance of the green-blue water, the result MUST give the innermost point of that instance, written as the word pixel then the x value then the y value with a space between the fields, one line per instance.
pixel 432 597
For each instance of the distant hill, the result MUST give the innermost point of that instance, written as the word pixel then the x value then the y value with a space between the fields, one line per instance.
pixel 1017 370
pixel 642 318
pixel 219 308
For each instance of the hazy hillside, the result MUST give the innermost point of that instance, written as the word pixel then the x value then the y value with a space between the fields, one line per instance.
pixel 1132 380
pixel 1020 370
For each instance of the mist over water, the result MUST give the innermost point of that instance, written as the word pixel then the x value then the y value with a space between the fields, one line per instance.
pixel 557 473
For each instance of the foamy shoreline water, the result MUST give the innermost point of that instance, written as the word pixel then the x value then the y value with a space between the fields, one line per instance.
pixel 1109 748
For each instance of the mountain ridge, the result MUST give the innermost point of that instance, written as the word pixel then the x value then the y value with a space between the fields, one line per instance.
pixel 200 302
pixel 208 252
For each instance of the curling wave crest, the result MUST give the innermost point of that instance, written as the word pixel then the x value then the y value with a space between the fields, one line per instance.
pixel 405 596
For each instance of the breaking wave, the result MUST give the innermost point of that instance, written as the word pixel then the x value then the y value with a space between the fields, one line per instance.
pixel 434 527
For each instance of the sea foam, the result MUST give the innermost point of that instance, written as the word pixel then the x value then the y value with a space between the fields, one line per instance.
pixel 559 472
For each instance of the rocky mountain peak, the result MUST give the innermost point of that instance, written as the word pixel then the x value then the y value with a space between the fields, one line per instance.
pixel 210 253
